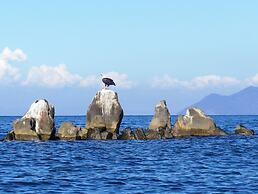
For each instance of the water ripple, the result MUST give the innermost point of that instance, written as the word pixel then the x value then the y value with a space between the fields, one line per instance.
pixel 192 165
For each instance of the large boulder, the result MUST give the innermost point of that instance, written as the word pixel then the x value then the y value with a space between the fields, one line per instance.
pixel 24 129
pixel 161 118
pixel 242 130
pixel 195 123
pixel 37 124
pixel 69 131
pixel 105 112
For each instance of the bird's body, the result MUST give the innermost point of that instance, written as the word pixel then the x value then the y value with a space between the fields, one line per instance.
pixel 108 81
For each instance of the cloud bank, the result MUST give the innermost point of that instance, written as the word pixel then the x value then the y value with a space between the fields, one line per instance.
pixel 60 76
pixel 9 73
pixel 195 83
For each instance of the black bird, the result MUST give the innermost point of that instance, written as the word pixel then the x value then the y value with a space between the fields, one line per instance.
pixel 107 81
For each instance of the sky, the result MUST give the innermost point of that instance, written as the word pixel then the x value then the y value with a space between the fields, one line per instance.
pixel 176 50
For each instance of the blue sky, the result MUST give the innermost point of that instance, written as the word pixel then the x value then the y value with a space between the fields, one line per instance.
pixel 174 50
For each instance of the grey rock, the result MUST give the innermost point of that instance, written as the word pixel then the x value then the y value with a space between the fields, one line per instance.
pixel 161 118
pixel 83 133
pixel 37 124
pixel 127 134
pixel 152 134
pixel 94 134
pixel 195 123
pixel 242 130
pixel 105 112
pixel 139 134
pixel 68 131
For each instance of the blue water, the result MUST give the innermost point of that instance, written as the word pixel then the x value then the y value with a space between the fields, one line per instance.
pixel 193 165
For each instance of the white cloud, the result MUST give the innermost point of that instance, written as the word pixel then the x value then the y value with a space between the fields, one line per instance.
pixel 16 55
pixel 48 76
pixel 9 73
pixel 121 79
pixel 199 82
pixel 60 76
pixel 253 80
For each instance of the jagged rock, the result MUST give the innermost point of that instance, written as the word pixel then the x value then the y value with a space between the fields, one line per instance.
pixel 167 133
pixel 242 130
pixel 37 124
pixel 139 134
pixel 127 134
pixel 161 118
pixel 100 134
pixel 105 112
pixel 94 134
pixel 152 134
pixel 83 133
pixel 195 123
pixel 10 136
pixel 68 131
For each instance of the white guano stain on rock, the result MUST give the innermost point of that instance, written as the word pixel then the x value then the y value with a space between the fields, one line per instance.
pixel 36 111
pixel 107 99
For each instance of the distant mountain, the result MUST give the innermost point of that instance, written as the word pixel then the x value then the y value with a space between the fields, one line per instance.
pixel 244 102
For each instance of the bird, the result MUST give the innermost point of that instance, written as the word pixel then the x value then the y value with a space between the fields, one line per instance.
pixel 107 81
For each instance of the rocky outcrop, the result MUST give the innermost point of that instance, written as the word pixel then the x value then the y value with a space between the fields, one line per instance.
pixel 37 124
pixel 242 130
pixel 160 125
pixel 68 131
pixel 129 134
pixel 195 123
pixel 105 112
pixel 139 134
pixel 159 133
pixel 99 134
pixel 161 118
pixel 152 134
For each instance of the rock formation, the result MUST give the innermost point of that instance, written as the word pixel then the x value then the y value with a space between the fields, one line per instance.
pixel 161 118
pixel 68 131
pixel 195 123
pixel 242 130
pixel 100 134
pixel 37 124
pixel 129 134
pixel 139 134
pixel 105 112
pixel 160 125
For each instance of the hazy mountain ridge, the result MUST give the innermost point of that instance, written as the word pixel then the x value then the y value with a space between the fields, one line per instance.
pixel 244 102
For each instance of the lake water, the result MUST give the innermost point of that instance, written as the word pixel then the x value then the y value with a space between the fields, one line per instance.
pixel 192 165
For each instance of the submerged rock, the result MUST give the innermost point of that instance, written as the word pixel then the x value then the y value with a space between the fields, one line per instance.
pixel 37 124
pixel 127 134
pixel 68 131
pixel 195 123
pixel 161 118
pixel 139 134
pixel 99 134
pixel 105 112
pixel 152 134
pixel 159 133
pixel 242 130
